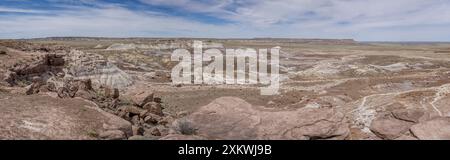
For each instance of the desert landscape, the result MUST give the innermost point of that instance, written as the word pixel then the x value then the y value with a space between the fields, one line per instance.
pixel 121 89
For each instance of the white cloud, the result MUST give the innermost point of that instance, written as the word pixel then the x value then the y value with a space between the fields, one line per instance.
pixel 19 10
pixel 107 22
pixel 360 19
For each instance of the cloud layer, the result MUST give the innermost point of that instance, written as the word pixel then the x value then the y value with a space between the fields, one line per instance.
pixel 369 20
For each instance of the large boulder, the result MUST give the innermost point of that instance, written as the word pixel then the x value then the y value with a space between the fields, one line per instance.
pixel 43 117
pixel 389 128
pixel 44 64
pixel 410 115
pixel 435 129
pixel 234 118
pixel 142 98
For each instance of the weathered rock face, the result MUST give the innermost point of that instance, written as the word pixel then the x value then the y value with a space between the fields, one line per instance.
pixel 44 117
pixel 234 118
pixel 410 115
pixel 389 128
pixel 47 63
pixel 435 129
pixel 81 65
pixel 41 66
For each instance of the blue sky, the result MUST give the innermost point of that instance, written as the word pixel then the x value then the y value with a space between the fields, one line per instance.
pixel 364 20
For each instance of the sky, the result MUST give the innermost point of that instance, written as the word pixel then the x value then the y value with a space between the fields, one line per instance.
pixel 363 20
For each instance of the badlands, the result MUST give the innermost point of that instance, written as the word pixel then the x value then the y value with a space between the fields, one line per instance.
pixel 118 89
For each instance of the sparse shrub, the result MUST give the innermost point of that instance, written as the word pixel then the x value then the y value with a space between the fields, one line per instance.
pixel 185 127
pixel 92 134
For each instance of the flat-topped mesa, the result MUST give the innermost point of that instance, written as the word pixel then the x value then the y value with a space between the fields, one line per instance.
pixel 167 45
pixel 294 40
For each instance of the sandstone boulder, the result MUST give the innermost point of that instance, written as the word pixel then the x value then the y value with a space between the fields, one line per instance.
pixel 435 129
pixel 389 128
pixel 410 115
pixel 42 117
pixel 142 98
pixel 234 118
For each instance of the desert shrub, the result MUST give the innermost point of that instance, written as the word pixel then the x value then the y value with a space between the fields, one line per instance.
pixel 185 127
pixel 92 133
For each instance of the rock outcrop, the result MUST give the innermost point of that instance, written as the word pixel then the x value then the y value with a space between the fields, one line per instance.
pixel 81 65
pixel 44 117
pixel 389 128
pixel 234 118
pixel 435 129
pixel 49 63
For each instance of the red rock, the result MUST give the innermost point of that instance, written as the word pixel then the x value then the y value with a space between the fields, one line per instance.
pixel 234 118
pixel 435 129
pixel 389 128
pixel 410 115
pixel 142 98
